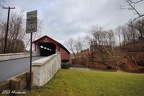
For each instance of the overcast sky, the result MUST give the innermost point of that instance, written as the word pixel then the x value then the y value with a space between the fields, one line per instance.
pixel 63 19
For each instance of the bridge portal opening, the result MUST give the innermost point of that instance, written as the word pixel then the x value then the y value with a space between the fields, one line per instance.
pixel 46 49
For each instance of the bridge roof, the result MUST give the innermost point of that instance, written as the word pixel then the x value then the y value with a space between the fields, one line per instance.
pixel 52 40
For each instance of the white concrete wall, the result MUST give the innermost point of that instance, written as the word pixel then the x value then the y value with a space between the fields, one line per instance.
pixel 37 52
pixel 44 69
pixel 10 56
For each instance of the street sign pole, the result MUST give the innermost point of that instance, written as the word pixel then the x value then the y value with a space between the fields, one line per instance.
pixel 31 26
pixel 30 60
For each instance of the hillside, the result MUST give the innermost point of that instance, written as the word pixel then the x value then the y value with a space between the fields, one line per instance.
pixel 129 57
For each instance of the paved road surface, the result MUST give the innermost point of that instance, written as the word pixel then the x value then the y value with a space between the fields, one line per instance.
pixel 14 67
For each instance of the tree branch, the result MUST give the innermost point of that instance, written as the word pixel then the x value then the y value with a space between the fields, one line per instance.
pixel 133 7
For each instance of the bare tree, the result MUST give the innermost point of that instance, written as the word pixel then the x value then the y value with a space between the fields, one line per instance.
pixel 128 36
pixel 78 44
pixel 2 34
pixel 139 26
pixel 17 33
pixel 132 6
pixel 119 33
pixel 103 43
pixel 14 35
pixel 138 22
pixel 70 45
pixel 88 43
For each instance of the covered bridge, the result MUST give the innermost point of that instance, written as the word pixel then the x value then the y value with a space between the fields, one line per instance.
pixel 46 46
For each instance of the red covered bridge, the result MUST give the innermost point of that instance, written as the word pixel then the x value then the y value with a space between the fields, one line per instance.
pixel 46 46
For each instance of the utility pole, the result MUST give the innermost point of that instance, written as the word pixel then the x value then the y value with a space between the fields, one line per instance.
pixel 6 33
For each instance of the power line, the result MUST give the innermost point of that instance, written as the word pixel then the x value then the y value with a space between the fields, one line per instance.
pixel 1 5
pixel 5 3
pixel 14 6
pixel 10 3
pixel 16 10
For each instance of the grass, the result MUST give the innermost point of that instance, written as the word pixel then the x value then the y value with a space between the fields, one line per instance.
pixel 92 83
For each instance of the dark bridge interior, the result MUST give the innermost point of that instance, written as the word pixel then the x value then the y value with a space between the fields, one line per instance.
pixel 47 49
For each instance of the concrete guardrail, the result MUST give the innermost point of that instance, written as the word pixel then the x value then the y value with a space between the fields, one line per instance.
pixel 11 56
pixel 44 69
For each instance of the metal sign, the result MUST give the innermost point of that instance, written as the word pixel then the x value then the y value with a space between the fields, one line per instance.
pixel 31 14
pixel 31 23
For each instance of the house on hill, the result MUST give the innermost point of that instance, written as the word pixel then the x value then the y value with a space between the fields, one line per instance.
pixel 46 46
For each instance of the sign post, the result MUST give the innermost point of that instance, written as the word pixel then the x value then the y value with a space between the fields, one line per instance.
pixel 31 26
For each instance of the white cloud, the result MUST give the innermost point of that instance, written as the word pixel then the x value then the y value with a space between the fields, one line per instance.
pixel 71 18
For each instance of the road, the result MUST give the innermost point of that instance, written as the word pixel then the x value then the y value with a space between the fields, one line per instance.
pixel 14 67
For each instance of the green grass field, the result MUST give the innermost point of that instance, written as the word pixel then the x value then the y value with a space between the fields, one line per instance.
pixel 92 83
